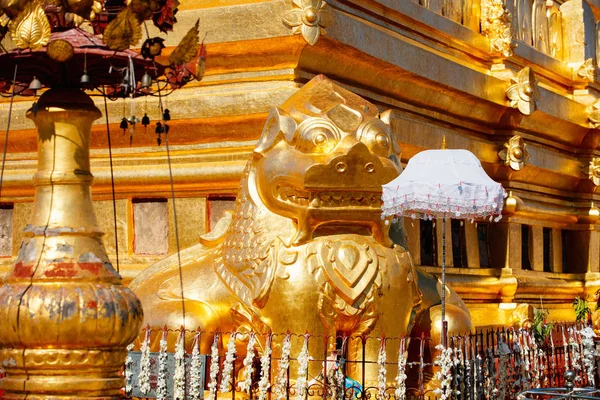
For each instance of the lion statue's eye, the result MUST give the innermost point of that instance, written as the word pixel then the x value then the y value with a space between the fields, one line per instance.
pixel 317 135
pixel 375 134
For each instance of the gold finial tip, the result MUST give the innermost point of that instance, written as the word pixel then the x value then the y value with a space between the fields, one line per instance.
pixel 444 142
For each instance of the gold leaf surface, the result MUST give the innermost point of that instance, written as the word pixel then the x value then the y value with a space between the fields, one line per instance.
pixel 31 29
pixel 187 49
pixel 123 32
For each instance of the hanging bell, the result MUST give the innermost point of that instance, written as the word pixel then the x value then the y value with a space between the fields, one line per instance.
pixel 123 125
pixel 133 120
pixel 35 84
pixel 146 81
pixel 145 120
pixel 85 79
pixel 166 115
pixel 159 130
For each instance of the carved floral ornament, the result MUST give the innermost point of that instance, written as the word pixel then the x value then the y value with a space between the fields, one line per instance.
pixel 522 92
pixel 594 115
pixel 593 170
pixel 586 71
pixel 308 17
pixel 514 153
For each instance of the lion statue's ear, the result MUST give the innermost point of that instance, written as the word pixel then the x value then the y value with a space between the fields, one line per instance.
pixel 278 127
pixel 389 117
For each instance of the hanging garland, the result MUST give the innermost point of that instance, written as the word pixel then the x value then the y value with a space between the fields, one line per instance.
pixel 144 376
pixel 265 366
pixel 228 365
pixel 162 392
pixel 381 371
pixel 301 382
pixel 196 391
pixel 246 382
pixel 280 389
pixel 128 371
pixel 214 368
pixel 179 374
pixel 401 376
pixel 589 353
pixel 444 376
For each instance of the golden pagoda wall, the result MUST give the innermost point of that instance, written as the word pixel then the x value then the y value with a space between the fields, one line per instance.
pixel 443 66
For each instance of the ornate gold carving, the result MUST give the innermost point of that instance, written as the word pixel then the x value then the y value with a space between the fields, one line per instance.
pixel 594 115
pixel 522 92
pixel 309 17
pixel 31 29
pixel 592 170
pixel 586 71
pixel 306 248
pixel 496 26
pixel 123 32
pixel 514 153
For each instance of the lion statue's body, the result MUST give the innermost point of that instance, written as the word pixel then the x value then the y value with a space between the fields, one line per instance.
pixel 305 249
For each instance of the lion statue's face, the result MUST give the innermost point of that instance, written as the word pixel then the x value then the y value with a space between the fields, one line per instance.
pixel 321 161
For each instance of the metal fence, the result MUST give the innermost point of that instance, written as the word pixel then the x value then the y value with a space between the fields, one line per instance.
pixel 490 364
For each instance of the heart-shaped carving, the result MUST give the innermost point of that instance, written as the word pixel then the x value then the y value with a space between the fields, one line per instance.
pixel 348 256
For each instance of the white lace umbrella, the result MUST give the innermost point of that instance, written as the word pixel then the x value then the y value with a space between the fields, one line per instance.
pixel 443 184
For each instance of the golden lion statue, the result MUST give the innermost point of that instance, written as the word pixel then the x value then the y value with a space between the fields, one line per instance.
pixel 305 249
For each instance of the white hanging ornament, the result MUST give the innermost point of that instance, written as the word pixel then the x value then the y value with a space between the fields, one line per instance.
pixel 144 376
pixel 196 391
pixel 246 382
pixel 179 374
pixel 161 385
pixel 228 365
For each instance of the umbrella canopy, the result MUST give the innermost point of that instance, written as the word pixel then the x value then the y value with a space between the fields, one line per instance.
pixel 443 183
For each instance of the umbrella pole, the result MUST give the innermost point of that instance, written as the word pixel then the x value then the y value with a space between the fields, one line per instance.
pixel 444 324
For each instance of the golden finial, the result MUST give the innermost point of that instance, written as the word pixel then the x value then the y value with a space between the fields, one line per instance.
pixel 444 143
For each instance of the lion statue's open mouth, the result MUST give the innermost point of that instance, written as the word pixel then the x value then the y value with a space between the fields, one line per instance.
pixel 326 160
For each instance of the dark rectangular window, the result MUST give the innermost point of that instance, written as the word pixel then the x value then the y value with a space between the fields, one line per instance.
pixel 459 247
pixel 547 250
pixel 484 245
pixel 428 243
pixel 525 233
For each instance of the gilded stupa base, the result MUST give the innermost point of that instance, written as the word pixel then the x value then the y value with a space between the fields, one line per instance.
pixel 66 318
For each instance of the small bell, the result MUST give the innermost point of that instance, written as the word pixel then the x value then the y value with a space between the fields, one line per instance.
pixel 123 125
pixel 146 81
pixel 37 85
pixel 166 115
pixel 85 79
pixel 159 130
pixel 133 120
pixel 145 122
